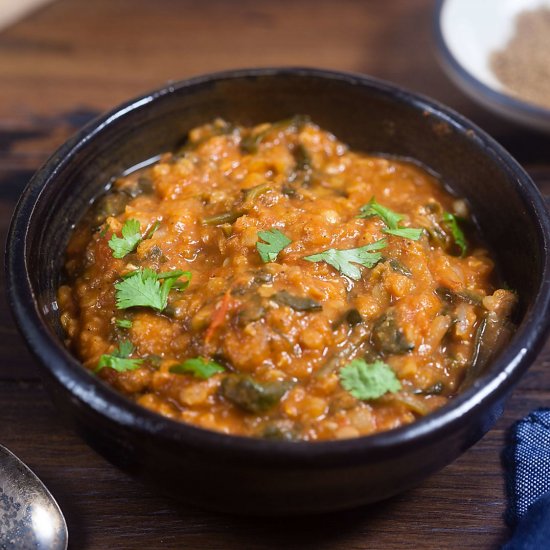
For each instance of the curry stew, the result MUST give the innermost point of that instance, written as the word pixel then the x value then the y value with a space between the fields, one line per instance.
pixel 270 282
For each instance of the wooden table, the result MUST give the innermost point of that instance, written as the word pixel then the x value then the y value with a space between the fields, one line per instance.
pixel 76 58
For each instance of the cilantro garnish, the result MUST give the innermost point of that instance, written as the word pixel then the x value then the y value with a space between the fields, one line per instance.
pixel 373 208
pixel 391 219
pixel 123 323
pixel 199 367
pixel 368 380
pixel 176 274
pixel 343 260
pixel 131 237
pixel 119 360
pixel 104 230
pixel 275 241
pixel 143 287
pixel 457 233
pixel 151 231
pixel 406 232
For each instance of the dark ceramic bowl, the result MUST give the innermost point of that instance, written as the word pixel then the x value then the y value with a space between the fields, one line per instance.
pixel 255 476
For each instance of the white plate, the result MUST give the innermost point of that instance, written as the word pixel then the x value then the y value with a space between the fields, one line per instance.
pixel 467 32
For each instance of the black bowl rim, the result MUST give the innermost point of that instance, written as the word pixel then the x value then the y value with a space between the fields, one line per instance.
pixel 102 399
pixel 509 102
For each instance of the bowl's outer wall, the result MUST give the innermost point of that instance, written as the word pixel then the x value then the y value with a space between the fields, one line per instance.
pixel 217 482
pixel 372 118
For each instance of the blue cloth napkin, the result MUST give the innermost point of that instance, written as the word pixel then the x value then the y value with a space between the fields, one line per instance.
pixel 527 463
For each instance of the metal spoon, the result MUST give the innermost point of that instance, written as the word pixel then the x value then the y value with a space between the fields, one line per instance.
pixel 30 518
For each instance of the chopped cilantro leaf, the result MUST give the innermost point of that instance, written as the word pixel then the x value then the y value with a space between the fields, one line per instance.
pixel 343 260
pixel 151 231
pixel 457 233
pixel 175 274
pixel 125 348
pixel 391 219
pixel 368 380
pixel 120 360
pixel 104 230
pixel 199 367
pixel 275 241
pixel 131 236
pixel 406 232
pixel 143 287
pixel 123 323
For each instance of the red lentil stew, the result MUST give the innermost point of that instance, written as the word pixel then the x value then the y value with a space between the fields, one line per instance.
pixel 270 282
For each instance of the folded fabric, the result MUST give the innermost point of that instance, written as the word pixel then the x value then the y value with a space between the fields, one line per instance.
pixel 527 463
pixel 533 531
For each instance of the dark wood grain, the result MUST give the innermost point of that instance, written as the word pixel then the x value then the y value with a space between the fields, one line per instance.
pixel 76 58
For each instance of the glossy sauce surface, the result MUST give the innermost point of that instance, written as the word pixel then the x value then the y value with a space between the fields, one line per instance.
pixel 281 332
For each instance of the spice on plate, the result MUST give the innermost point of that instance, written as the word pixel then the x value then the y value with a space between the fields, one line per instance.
pixel 523 65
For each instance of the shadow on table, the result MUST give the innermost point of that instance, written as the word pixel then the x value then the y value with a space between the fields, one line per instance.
pixel 335 530
pixel 179 526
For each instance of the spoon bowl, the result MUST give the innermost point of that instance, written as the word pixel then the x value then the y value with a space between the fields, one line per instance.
pixel 29 515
